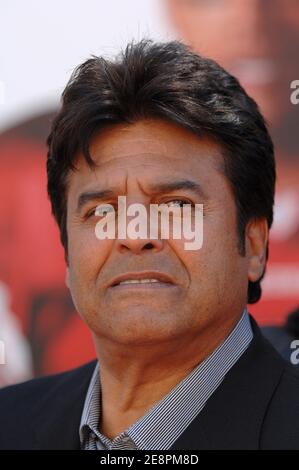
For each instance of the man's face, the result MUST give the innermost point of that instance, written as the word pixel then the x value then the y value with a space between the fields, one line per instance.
pixel 208 286
pixel 256 40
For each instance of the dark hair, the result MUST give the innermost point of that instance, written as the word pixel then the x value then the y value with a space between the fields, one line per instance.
pixel 167 81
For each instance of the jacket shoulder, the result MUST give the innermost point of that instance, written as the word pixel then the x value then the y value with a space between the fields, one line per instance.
pixel 21 403
pixel 35 389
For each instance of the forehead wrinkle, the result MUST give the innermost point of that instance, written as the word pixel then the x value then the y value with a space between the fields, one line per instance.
pixel 107 148
pixel 139 184
pixel 101 161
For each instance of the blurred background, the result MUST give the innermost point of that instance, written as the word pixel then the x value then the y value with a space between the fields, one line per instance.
pixel 40 44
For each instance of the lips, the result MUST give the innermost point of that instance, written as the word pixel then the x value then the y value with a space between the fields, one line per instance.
pixel 142 278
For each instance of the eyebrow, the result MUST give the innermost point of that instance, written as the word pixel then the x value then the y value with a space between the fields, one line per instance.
pixel 158 188
pixel 177 185
pixel 92 196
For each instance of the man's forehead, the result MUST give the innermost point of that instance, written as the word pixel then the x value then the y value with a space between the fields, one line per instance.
pixel 153 156
pixel 148 140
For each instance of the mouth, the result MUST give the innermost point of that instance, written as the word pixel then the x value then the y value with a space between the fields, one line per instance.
pixel 142 280
pixel 142 285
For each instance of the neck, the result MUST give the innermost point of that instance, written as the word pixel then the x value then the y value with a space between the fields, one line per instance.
pixel 136 377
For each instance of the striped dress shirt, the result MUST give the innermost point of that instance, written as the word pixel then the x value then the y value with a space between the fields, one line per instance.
pixel 162 425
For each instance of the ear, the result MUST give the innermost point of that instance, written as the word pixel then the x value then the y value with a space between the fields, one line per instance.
pixel 67 277
pixel 257 235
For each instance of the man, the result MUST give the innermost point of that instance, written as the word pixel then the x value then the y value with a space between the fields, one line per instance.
pixel 181 365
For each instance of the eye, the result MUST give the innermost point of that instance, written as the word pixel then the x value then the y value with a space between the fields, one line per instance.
pixel 180 202
pixel 101 210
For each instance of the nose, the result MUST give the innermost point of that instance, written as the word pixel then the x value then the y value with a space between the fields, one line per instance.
pixel 148 239
pixel 139 245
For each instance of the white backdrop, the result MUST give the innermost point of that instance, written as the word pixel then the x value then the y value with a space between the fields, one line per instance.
pixel 41 41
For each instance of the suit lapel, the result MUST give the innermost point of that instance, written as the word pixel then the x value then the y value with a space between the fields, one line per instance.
pixel 234 414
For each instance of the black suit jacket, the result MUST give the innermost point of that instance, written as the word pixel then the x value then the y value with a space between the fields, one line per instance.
pixel 255 407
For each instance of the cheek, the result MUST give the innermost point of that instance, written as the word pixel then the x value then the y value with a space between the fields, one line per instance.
pixel 87 255
pixel 218 261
